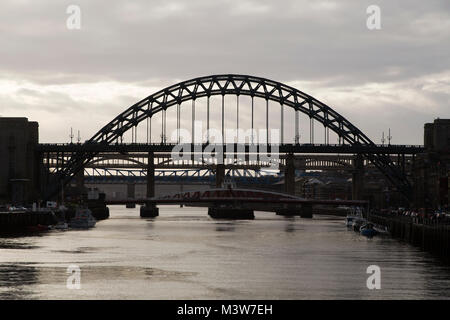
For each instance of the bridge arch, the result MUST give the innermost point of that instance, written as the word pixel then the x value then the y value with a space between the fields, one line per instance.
pixel 121 157
pixel 341 163
pixel 234 84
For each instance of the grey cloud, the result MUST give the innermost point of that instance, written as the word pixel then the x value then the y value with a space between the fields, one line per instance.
pixel 324 44
pixel 286 40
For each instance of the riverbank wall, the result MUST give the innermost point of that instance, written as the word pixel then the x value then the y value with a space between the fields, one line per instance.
pixel 431 235
pixel 22 219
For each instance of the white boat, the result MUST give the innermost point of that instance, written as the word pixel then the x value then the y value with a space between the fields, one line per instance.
pixel 61 225
pixel 358 223
pixel 381 229
pixel 354 215
pixel 349 221
pixel 83 219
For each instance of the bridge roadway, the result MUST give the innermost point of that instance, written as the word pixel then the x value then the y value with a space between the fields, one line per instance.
pixel 131 156
pixel 130 161
pixel 247 148
pixel 207 202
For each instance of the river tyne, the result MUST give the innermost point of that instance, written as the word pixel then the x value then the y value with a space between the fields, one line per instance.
pixel 184 254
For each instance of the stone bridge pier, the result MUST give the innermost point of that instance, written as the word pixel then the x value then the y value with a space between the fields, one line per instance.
pixel 229 211
pixel 131 194
pixel 150 210
pixel 220 175
pixel 305 210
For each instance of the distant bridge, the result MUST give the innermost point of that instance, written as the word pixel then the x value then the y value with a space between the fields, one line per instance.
pixel 126 176
pixel 238 197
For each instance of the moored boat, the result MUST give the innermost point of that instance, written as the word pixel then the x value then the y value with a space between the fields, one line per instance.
pixel 353 215
pixel 61 225
pixel 83 219
pixel 357 223
pixel 349 221
pixel 368 230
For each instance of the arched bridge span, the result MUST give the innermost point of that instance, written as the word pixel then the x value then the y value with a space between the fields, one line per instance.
pixel 238 85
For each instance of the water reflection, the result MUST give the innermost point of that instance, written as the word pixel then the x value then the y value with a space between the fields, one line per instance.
pixel 8 244
pixel 228 226
pixel 191 256
pixel 18 241
pixel 290 224
pixel 16 281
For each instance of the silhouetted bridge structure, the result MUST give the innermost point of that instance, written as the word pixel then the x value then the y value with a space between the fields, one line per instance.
pixel 122 137
pixel 126 148
pixel 178 176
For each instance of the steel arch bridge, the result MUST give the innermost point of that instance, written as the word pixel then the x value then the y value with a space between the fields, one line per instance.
pixel 245 85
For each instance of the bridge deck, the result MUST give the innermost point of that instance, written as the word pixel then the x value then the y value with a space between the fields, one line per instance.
pixel 232 201
pixel 247 148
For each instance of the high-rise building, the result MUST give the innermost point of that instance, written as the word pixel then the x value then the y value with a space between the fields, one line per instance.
pixel 18 164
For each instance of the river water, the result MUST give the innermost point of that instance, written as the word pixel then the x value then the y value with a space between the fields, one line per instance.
pixel 183 254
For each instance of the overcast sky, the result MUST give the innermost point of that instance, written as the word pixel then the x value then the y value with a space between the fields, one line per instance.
pixel 397 77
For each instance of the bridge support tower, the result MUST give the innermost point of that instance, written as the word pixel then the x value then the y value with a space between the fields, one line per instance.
pixel 150 210
pixel 227 212
pixel 305 211
pixel 79 181
pixel 220 175
pixel 131 189
pixel 358 178
pixel 289 174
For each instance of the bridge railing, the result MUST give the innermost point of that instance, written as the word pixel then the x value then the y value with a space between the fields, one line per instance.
pixel 275 144
pixel 232 147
